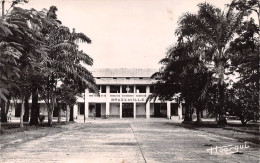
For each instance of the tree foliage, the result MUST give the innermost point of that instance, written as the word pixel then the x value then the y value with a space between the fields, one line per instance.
pixel 211 42
pixel 37 52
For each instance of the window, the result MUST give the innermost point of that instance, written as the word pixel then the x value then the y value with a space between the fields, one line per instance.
pixel 127 89
pixel 114 78
pixel 127 78
pixel 141 89
pixel 151 89
pixel 102 89
pixel 114 89
pixel 81 108
pixel 174 109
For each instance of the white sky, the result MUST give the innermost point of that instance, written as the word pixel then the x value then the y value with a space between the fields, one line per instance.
pixel 124 33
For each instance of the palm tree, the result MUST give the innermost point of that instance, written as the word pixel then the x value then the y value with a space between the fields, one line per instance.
pixel 214 29
pixel 64 61
pixel 247 5
pixel 184 77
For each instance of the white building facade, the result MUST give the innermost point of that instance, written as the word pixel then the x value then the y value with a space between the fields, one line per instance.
pixel 123 94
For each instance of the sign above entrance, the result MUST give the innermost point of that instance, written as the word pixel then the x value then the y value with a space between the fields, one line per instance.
pixel 133 99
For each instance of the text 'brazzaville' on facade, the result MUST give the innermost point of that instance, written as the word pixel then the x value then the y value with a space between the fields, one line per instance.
pixel 128 99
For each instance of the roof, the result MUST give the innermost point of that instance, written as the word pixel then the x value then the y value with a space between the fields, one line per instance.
pixel 123 72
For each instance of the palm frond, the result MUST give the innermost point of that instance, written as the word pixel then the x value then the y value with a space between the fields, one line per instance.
pixel 82 37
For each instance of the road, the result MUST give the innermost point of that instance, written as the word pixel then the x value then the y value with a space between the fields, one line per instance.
pixel 122 141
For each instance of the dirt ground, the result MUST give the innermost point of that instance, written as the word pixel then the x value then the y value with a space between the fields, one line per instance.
pixel 127 140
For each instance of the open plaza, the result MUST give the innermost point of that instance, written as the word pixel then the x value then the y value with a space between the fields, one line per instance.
pixel 129 141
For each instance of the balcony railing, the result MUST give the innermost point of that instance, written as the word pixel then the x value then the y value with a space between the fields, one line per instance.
pixel 141 95
pixel 114 94
pixel 92 95
pixel 128 95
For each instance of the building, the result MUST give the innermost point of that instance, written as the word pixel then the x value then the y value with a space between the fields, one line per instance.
pixel 123 93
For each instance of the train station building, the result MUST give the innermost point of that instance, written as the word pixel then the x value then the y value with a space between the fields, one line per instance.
pixel 123 94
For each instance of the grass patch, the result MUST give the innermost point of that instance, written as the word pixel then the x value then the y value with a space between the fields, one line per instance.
pixel 250 132
pixel 12 127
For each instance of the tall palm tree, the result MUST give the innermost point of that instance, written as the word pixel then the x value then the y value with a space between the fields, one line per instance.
pixel 184 77
pixel 214 29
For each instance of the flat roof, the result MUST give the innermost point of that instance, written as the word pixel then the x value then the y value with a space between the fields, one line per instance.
pixel 123 72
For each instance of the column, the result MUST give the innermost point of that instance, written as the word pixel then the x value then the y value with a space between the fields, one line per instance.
pixel 107 100
pixel 134 110
pixel 148 103
pixel 180 110
pixel 168 109
pixel 86 103
pixel 120 110
pixel 134 102
pixel 148 110
pixel 75 110
pixel 120 104
pixel 121 90
pixel 107 108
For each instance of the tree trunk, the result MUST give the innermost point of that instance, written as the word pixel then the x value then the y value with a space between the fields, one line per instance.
pixel 187 117
pixel 35 107
pixel 22 112
pixel 3 111
pixel 221 87
pixel 71 114
pixel 67 113
pixel 191 112
pixel 7 107
pixel 198 112
pixel 26 109
pixel 50 115
pixel 59 113
pixel 50 111
pixel 258 69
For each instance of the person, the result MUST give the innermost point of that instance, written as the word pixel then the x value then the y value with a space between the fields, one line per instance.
pixel 41 117
pixel 9 116
pixel 94 114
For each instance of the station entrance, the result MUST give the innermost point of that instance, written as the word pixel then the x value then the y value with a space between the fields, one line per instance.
pixel 95 109
pixel 127 110
pixel 160 110
pixel 98 109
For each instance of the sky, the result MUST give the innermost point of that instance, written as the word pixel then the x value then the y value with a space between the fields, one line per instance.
pixel 124 33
